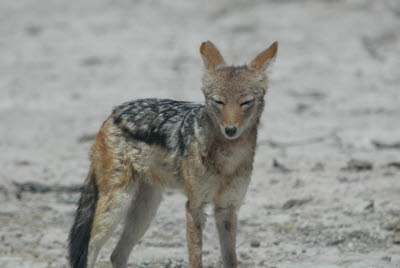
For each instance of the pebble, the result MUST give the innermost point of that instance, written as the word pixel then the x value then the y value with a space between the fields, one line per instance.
pixel 168 263
pixel 393 224
pixel 396 238
pixel 255 243
pixel 244 256
pixel 358 165
pixel 394 165
pixel 370 206
pixel 343 179
pixel 318 167
pixel 387 258
pixel 336 242
pixel 295 203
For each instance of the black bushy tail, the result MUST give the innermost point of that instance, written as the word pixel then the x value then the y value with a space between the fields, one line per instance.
pixel 79 235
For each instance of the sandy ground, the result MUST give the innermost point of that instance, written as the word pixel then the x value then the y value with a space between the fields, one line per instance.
pixel 334 90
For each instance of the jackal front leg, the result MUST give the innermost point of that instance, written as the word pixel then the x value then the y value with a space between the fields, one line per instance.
pixel 226 221
pixel 194 227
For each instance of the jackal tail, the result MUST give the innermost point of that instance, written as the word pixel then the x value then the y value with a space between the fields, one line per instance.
pixel 79 236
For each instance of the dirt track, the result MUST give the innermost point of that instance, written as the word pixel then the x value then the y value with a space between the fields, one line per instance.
pixel 334 91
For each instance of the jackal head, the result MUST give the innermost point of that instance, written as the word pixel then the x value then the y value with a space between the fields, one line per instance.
pixel 235 94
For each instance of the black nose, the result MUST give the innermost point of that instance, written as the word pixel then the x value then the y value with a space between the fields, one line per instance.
pixel 230 131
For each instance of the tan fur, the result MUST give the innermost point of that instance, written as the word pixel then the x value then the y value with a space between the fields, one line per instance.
pixel 232 115
pixel 265 57
pixel 211 55
pixel 131 174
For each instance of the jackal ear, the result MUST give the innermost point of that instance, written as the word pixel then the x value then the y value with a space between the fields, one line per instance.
pixel 263 60
pixel 211 56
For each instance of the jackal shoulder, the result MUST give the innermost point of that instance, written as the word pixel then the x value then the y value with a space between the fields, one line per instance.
pixel 164 122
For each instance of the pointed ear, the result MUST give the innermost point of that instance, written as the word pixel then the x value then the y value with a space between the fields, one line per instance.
pixel 211 56
pixel 262 61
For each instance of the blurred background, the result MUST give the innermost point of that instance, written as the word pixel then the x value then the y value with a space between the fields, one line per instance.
pixel 326 182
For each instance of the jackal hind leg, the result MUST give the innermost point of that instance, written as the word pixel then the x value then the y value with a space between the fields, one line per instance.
pixel 111 207
pixel 140 214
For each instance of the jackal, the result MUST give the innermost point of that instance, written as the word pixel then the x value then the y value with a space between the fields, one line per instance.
pixel 150 144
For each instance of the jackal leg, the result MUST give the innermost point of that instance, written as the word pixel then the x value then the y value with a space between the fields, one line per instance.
pixel 226 221
pixel 194 227
pixel 111 207
pixel 138 219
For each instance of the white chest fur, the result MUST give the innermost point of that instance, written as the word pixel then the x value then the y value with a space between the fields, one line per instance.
pixel 231 158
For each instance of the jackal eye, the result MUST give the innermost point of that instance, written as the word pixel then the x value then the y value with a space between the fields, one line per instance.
pixel 218 102
pixel 246 103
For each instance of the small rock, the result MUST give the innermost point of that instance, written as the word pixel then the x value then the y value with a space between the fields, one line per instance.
pixel 91 61
pixel 357 234
pixel 273 181
pixel 343 179
pixel 86 138
pixel 358 165
pixel 75 96
pixel 281 167
pixel 255 243
pixel 22 163
pixel 6 214
pixel 387 258
pixel 33 30
pixel 394 165
pixel 298 183
pixel 393 224
pixel 318 167
pixel 301 107
pixel 336 241
pixel 396 238
pixel 370 206
pixel 295 203
pixel 244 256
pixel 389 174
pixel 384 145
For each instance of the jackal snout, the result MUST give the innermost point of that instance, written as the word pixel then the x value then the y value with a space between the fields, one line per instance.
pixel 231 120
pixel 234 94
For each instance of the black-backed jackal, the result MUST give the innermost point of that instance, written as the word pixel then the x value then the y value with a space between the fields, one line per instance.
pixel 150 144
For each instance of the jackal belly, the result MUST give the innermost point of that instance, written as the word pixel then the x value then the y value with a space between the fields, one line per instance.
pixel 155 164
